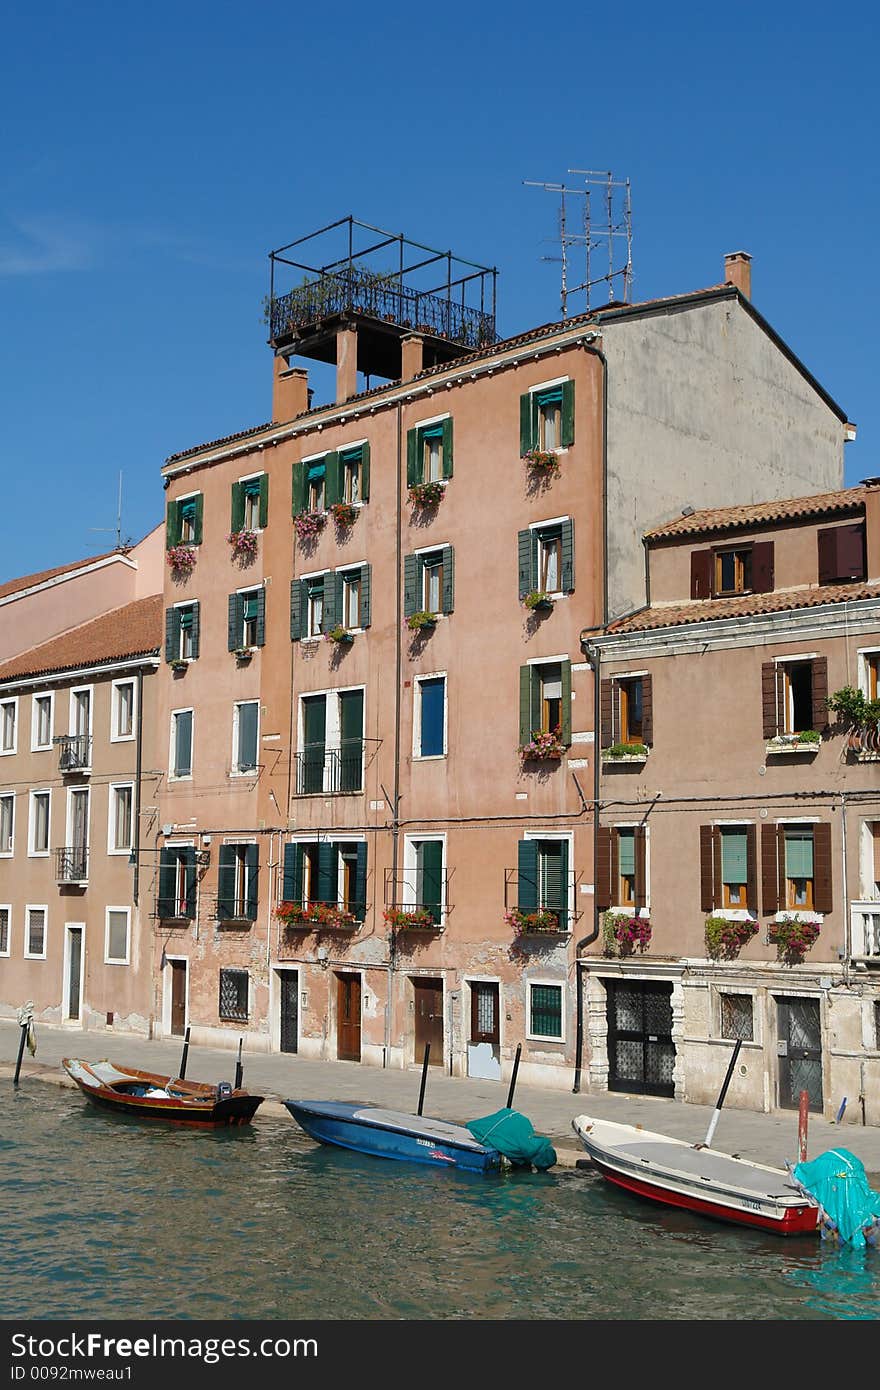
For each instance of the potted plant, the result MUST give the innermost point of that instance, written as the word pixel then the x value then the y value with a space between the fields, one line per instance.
pixel 344 514
pixel 178 665
pixel 541 921
pixel 330 915
pixel 539 600
pixel 409 918
pixel 792 936
pixel 421 621
pixel 859 716
pixel 308 525
pixel 244 546
pixel 427 494
pixel 182 560
pixel 291 914
pixel 542 461
pixel 543 746
pixel 726 936
pixel 243 655
pixel 340 635
pixel 623 752
pixel 805 740
pixel 623 933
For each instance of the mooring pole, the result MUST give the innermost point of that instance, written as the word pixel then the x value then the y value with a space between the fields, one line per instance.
pixel 26 1023
pixel 513 1077
pixel 24 1028
pixel 182 1072
pixel 803 1117
pixel 707 1142
pixel 424 1077
pixel 238 1067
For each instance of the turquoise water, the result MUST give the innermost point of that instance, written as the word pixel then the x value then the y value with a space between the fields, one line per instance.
pixel 103 1217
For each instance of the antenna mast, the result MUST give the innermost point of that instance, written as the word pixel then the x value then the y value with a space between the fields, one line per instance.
pixel 616 226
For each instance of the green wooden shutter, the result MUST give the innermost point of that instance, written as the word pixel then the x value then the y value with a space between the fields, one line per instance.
pixel 525 704
pixel 328 873
pixel 172 634
pixel 527 875
pixel 526 434
pixel 567 578
pixel 366 613
pixel 237 507
pixel 413 469
pixel 566 701
pixel 235 624
pixel 432 877
pixel 198 517
pixel 194 630
pixel 226 883
pixel 351 740
pixel 291 883
pixel 172 525
pixel 298 489
pixel 411 573
pixel 252 863
pixel 264 500
pixel 167 881
pixel 295 609
pixel 447 448
pixel 365 472
pixel 189 859
pixel 261 617
pixel 448 595
pixel 332 479
pixel 567 413
pixel 360 882
pixel 554 854
pixel 524 550
pixel 328 617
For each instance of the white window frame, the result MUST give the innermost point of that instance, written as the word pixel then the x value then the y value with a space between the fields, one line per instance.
pixel 68 831
pixel 548 386
pixel 71 720
pixel 249 478
pixel 114 711
pixel 862 656
pixel 802 914
pixel 417 718
pixel 568 837
pixel 28 909
pixel 186 497
pixel 345 449
pixel 544 984
pixel 8 853
pixel 7 908
pixel 235 770
pixel 117 960
pixel 624 907
pixel 37 696
pixel 352 569
pixel 248 589
pixel 332 724
pixel 185 776
pixel 869 861
pixel 4 704
pixel 545 526
pixel 756 1040
pixel 32 795
pixel 113 788
pixel 410 869
pixel 239 970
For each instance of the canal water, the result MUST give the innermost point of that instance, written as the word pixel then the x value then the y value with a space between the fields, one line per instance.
pixel 103 1217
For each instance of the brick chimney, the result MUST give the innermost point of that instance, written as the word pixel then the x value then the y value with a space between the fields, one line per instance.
pixel 412 353
pixel 290 391
pixel 738 271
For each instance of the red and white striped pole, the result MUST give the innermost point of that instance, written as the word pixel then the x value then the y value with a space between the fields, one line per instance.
pixel 803 1116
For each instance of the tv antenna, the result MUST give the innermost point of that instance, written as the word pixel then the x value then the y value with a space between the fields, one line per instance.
pixel 612 225
pixel 118 527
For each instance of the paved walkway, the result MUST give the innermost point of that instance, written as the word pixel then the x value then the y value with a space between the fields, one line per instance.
pixel 763 1138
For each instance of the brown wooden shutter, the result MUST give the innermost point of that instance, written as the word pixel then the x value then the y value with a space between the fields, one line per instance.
pixel 851 551
pixel 641 855
pixel 822 896
pixel 606 713
pixel 827 541
pixel 647 711
pixel 768 698
pixel 752 869
pixel 701 574
pixel 781 876
pixel 769 874
pixel 602 886
pixel 717 892
pixel 707 878
pixel 820 692
pixel 762 567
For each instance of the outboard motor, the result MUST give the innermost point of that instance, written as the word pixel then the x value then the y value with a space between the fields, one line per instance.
pixel 224 1090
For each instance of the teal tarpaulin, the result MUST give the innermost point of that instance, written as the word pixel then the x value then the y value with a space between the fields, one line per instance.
pixel 837 1181
pixel 513 1136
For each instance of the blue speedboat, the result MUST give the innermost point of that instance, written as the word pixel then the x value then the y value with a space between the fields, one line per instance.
pixel 369 1129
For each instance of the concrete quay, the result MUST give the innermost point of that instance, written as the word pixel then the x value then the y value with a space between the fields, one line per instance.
pixel 763 1138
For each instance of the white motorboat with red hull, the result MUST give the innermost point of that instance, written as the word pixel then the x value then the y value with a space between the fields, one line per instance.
pixel 694 1178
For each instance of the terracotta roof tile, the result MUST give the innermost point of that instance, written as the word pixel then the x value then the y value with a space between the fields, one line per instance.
pixel 135 629
pixel 742 606
pixel 30 581
pixel 759 514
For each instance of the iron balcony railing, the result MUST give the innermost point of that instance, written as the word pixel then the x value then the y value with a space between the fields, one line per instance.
pixel 313 916
pixel 418 898
pixel 545 911
pixel 74 752
pixel 71 864
pixel 865 930
pixel 175 909
pixel 335 770
pixel 235 910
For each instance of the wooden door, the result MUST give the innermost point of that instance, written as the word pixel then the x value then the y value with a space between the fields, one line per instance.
pixel 178 997
pixel 348 1015
pixel 289 1010
pixel 428 996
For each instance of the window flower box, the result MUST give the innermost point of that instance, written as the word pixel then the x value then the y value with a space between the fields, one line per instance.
pixel 244 546
pixel 624 933
pixel 792 937
pixel 178 665
pixel 625 753
pixel 181 560
pixel 243 655
pixel 807 741
pixel 541 922
pixel 538 601
pixel 310 915
pixel 543 461
pixel 422 621
pixel 427 494
pixel 410 918
pixel 543 747
pixel 726 936
pixel 344 514
pixel 339 635
pixel 309 525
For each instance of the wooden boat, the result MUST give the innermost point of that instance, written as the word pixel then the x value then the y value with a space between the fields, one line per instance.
pixel 370 1129
pixel 695 1178
pixel 148 1096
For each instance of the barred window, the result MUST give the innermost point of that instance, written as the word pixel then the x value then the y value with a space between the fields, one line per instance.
pixel 234 995
pixel 737 1017
pixel 545 1011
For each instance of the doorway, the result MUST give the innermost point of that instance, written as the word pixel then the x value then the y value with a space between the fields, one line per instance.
pixel 641 1053
pixel 289 1010
pixel 73 972
pixel 484 1050
pixel 800 1052
pixel 348 1017
pixel 178 998
pixel 428 1007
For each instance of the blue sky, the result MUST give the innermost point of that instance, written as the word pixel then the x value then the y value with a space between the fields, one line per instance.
pixel 153 156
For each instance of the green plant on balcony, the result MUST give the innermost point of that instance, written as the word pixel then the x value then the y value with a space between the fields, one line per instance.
pixel 427 494
pixel 542 460
pixel 421 621
pixel 339 635
pixel 308 526
pixel 853 708
pixel 177 663
pixel 243 545
pixel 542 920
pixel 804 738
pixel 538 599
pixel 624 933
pixel 409 918
pixel 291 914
pixel 344 514
pixel 545 745
pixel 792 936
pixel 181 560
pixel 626 750
pixel 726 936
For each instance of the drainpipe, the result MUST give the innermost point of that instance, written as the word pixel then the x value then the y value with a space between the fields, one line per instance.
pixel 398 668
pixel 591 653
pixel 139 759
pixel 847 916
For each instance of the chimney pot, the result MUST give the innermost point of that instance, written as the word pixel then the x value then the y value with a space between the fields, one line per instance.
pixel 738 271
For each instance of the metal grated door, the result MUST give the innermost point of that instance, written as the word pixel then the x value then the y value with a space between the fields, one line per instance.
pixel 641 1054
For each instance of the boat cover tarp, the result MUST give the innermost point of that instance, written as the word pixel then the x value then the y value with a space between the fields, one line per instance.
pixel 837 1181
pixel 513 1136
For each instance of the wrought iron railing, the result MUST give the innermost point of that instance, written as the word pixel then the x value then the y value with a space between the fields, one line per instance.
pixel 546 912
pixel 74 752
pixel 175 909
pixel 335 770
pixel 865 929
pixel 315 916
pixel 71 864
pixel 417 898
pixel 235 910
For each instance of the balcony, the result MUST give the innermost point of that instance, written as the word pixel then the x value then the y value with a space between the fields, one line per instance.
pixel 74 752
pixel 175 910
pixel 416 901
pixel 865 743
pixel 316 916
pixel 552 914
pixel 865 931
pixel 71 864
pixel 330 771
pixel 235 912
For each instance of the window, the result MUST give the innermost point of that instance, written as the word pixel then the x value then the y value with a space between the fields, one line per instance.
pixel 546 417
pixel 8 723
pixel 237 883
pixel 799 867
pixel 543 879
pixel 728 868
pixel 429 581
pixel 81 713
pixel 326 871
pixel 796 867
pixel 181 761
pixel 734 866
pixel 247 619
pixel 245 728
pixel 737 1017
pixel 626 868
pixel 122 707
pixel 234 995
pixel 733 571
pixel 41 726
pixel 871 668
pixel 429 733
pixel 314 607
pixel 250 503
pixel 794 696
pixel 545 1011
pixel 319 602
pixel 351 598
pixel 546 558
pixel 622 867
pixel 7 822
pixel 116 935
pixel 842 558
pixel 331 742
pixel 5 919
pixel 316 487
pixel 177 883
pixel 631 709
pixel 429 452
pixel 183 521
pixel 425 879
pixel 181 633
pixel 120 822
pixel 74 865
pixel 545 699
pixel 35 933
pixel 724 570
pixel 39 822
pixel 355 469
pixel 340 476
